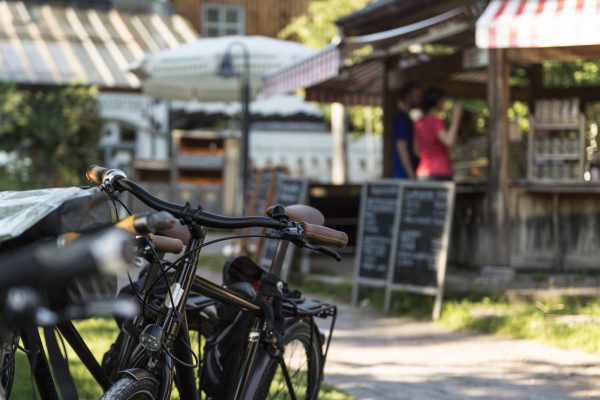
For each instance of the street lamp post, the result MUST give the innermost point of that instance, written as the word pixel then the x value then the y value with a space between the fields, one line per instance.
pixel 227 70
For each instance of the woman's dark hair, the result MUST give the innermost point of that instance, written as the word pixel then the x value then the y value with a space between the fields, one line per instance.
pixel 407 89
pixel 431 99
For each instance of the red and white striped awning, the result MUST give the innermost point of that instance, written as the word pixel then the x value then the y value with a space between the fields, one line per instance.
pixel 304 73
pixel 539 23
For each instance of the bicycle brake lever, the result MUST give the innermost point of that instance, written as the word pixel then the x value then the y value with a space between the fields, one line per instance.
pixel 324 250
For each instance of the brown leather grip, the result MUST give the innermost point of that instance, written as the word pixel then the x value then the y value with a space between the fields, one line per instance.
pixel 178 231
pixel 165 244
pixel 318 234
pixel 94 174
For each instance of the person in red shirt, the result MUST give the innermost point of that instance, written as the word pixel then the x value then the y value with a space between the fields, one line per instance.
pixel 433 140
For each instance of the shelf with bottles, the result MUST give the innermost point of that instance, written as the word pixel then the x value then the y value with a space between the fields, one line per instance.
pixel 557 170
pixel 556 141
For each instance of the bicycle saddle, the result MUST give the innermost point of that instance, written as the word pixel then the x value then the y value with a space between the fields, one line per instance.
pixel 301 213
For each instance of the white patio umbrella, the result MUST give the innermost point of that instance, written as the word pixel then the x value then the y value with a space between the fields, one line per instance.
pixel 189 72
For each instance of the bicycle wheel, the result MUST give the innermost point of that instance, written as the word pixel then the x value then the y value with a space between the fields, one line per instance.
pixel 128 388
pixel 303 359
pixel 7 373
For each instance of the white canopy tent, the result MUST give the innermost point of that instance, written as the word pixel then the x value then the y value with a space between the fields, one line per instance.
pixel 189 72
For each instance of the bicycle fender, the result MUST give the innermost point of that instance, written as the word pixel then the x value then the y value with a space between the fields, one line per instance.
pixel 138 374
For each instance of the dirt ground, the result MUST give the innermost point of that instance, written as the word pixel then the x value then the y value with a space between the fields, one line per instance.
pixel 390 358
pixel 374 357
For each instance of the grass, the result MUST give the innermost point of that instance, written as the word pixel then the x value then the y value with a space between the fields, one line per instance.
pixel 99 333
pixel 529 319
pixel 487 313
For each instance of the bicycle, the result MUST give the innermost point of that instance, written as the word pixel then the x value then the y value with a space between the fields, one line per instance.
pixel 56 252
pixel 279 317
pixel 24 276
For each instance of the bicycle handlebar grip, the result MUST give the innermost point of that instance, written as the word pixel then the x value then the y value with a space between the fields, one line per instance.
pixel 165 244
pixel 318 234
pixel 109 252
pixel 140 224
pixel 177 231
pixel 94 173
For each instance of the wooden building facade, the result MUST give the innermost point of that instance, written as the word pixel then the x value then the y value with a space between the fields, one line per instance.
pixel 239 17
pixel 502 217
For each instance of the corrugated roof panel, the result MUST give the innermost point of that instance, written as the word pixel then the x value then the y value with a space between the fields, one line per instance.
pixel 126 35
pixel 152 44
pixel 59 44
pixel 60 33
pixel 118 62
pixel 48 63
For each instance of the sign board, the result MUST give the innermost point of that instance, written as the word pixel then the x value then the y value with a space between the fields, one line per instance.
pixel 259 195
pixel 404 230
pixel 288 191
pixel 377 222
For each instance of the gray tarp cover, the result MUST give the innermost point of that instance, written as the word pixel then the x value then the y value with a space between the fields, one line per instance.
pixel 19 211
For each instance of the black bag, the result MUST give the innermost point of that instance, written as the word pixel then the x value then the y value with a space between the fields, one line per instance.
pixel 75 214
pixel 224 350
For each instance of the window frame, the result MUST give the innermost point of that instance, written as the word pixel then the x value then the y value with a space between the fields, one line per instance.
pixel 221 26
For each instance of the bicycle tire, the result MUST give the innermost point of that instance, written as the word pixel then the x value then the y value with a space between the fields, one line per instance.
pixel 129 388
pixel 8 374
pixel 306 380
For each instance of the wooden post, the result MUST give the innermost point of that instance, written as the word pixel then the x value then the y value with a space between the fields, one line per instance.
pixel 338 135
pixel 536 84
pixel 498 191
pixel 390 108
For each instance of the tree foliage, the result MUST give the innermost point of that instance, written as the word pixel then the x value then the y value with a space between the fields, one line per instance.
pixel 317 27
pixel 572 74
pixel 53 134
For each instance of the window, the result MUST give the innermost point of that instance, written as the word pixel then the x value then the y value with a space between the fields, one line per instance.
pixel 222 20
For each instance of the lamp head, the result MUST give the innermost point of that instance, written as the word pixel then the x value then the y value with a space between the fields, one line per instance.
pixel 226 69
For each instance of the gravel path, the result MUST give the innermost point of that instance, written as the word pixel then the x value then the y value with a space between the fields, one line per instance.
pixel 391 358
pixel 374 357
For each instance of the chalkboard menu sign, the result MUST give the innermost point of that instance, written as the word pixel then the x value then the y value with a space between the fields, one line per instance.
pixel 287 191
pixel 404 230
pixel 419 241
pixel 377 222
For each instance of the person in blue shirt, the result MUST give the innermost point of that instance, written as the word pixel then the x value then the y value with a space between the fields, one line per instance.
pixel 404 159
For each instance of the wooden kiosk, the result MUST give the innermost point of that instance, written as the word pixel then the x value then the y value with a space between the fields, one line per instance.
pixel 522 211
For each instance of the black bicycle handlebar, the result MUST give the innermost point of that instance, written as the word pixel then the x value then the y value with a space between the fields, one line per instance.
pixel 110 252
pixel 99 175
pixel 117 178
pixel 198 216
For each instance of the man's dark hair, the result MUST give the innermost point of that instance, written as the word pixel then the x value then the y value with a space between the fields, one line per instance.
pixel 431 99
pixel 406 89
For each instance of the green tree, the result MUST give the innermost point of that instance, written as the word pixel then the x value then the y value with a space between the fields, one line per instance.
pixel 56 130
pixel 317 27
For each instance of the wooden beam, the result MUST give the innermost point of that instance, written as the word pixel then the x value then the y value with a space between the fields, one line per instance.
pixel 498 196
pixel 338 137
pixel 471 90
pixel 539 55
pixel 432 70
pixel 390 108
pixel 536 82
pixel 584 93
